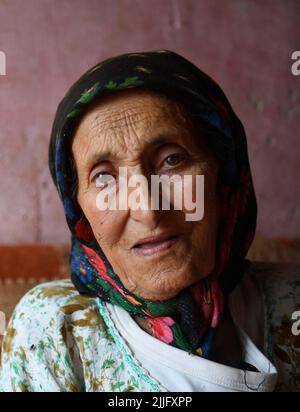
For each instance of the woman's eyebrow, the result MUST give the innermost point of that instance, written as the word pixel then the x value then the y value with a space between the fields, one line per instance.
pixel 108 156
pixel 100 157
pixel 159 139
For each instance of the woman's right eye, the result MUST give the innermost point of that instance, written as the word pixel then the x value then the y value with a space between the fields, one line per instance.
pixel 103 179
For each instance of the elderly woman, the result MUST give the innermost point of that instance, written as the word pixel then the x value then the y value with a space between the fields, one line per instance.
pixel 157 302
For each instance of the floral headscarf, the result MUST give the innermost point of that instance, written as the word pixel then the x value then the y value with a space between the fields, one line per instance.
pixel 189 320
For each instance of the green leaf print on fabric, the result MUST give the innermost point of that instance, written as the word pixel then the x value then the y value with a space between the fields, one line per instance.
pixel 127 83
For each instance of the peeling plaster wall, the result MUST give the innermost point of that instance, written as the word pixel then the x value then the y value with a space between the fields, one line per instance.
pixel 245 45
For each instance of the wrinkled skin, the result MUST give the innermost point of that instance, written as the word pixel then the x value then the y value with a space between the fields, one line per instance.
pixel 123 129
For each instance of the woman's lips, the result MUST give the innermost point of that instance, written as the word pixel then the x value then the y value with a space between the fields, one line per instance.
pixel 153 247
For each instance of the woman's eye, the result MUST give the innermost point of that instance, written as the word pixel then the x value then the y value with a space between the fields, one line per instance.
pixel 103 179
pixel 173 160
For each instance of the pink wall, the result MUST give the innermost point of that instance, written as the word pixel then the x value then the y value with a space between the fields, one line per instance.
pixel 246 45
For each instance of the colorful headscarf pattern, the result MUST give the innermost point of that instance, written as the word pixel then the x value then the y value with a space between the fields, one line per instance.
pixel 189 320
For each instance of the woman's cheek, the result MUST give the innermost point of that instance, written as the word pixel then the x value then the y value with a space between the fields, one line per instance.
pixel 90 208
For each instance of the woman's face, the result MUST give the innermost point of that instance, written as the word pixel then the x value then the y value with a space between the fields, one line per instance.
pixel 148 134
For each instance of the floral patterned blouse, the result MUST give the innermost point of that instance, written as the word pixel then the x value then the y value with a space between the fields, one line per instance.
pixel 58 340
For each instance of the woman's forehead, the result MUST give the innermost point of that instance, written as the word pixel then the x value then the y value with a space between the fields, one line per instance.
pixel 130 121
pixel 133 106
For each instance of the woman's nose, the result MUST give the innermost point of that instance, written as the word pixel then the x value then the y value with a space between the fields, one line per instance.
pixel 142 208
pixel 148 217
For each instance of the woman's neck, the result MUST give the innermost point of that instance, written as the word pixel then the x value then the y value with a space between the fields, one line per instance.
pixel 227 346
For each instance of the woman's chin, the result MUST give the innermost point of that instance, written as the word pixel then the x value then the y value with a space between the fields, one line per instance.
pixel 168 288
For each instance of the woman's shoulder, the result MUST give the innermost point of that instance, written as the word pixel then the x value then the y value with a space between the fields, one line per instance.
pixel 276 272
pixel 52 298
pixel 279 284
pixel 49 308
pixel 49 338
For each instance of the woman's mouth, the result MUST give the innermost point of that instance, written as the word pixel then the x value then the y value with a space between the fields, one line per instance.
pixel 155 244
